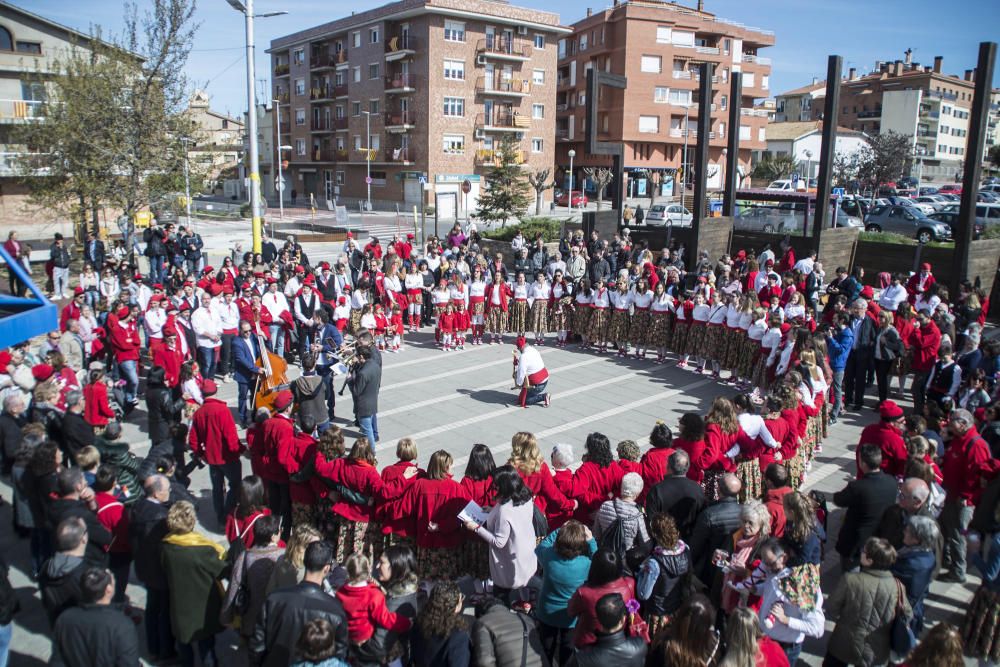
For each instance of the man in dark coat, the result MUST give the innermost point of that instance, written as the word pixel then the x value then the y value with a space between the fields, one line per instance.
pixel 862 354
pixel 147 528
pixel 367 382
pixel 501 637
pixel 913 501
pixel 677 495
pixel 12 420
pixel 715 527
pixel 287 610
pixel 96 632
pixel 76 499
pixel 599 268
pixel 59 577
pixel 613 646
pixel 865 500
pixel 94 252
pixel 76 432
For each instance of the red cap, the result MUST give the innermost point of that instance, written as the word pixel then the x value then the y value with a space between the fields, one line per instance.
pixel 208 269
pixel 925 266
pixel 209 388
pixel 77 291
pixel 169 330
pixel 184 306
pixel 258 274
pixel 282 400
pixel 309 280
pixel 410 235
pixel 350 235
pixel 340 300
pixel 520 342
pixel 867 292
pixel 742 254
pixel 785 328
pixel 228 289
pixel 271 280
pixel 889 410
pixel 245 286
pixel 300 269
pixel 157 286
pixel 42 372
pixel 215 289
pixel 122 312
pixel 347 288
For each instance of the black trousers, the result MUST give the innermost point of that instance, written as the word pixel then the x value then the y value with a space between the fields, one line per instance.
pixel 856 376
pixel 882 377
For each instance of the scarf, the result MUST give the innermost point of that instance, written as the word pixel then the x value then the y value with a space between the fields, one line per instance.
pixel 194 539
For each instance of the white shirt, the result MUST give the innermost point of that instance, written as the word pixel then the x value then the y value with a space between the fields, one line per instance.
pixel 892 296
pixel 664 303
pixel 292 287
pixel 529 362
pixel 154 321
pixel 190 387
pixel 206 323
pixel 805 265
pixel 276 304
pixel 754 426
pixel 229 314
pixel 299 314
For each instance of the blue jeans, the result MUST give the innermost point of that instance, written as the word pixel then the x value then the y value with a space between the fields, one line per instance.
pixel 277 338
pixel 536 393
pixel 224 499
pixel 156 269
pixel 369 428
pixel 6 632
pixel 792 652
pixel 206 360
pixel 838 393
pixel 242 391
pixel 130 373
pixel 326 373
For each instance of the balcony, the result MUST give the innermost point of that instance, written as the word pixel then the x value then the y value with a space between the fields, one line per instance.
pixel 322 93
pixel 941 95
pixel 400 47
pixel 760 113
pixel 404 155
pixel 499 47
pixel 759 60
pixel 503 121
pixel 23 163
pixel 926 112
pixel 870 114
pixel 707 50
pixel 486 157
pixel 340 124
pixel 562 134
pixel 682 74
pixel 282 98
pixel 326 61
pixel 324 155
pixel 496 85
pixel 282 69
pixel 322 125
pixel 400 83
pixel 340 90
pixel 20 111
pixel 340 154
pixel 400 121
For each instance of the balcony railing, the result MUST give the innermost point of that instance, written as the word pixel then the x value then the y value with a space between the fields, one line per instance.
pixel 402 119
pixel 282 98
pixel 943 95
pixel 870 114
pixel 399 155
pixel 20 110
pixel 400 46
pixel 282 69
pixel 340 123
pixel 400 82
pixel 707 50
pixel 760 60
pixel 322 93
pixel 761 113
pixel 322 125
pixel 487 157
pixel 340 154
pixel 498 85
pixel 500 46
pixel 682 74
pixel 17 164
pixel 562 134
pixel 340 90
pixel 504 120
pixel 324 155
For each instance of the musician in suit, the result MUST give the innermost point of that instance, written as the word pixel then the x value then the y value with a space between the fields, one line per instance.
pixel 245 353
pixel 325 346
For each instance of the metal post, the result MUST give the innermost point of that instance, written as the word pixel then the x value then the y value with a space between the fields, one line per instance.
pixel 733 144
pixel 701 155
pixel 368 156
pixel 963 232
pixel 187 189
pixel 684 157
pixel 252 130
pixel 281 179
pixel 569 200
pixel 831 109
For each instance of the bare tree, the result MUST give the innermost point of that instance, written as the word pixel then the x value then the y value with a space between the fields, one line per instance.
pixel 601 176
pixel 655 180
pixel 539 180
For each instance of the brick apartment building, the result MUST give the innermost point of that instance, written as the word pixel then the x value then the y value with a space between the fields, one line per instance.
pixel 440 81
pixel 657 46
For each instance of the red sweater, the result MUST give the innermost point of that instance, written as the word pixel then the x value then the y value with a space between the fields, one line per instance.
pixel 654 467
pixel 925 341
pixel 112 515
pixel 967 462
pixel 462 321
pixel 435 501
pixel 582 606
pixel 775 507
pixel 717 443
pixel 236 527
pixel 479 490
pixel 694 451
pixel 292 454
pixel 770 653
pixel 592 485
pixel 888 437
pixel 548 497
pixel 363 478
pixel 213 433
pixel 446 322
pixel 277 429
pixel 388 514
pixel 365 607
pixel 97 410
pixel 124 341
pixel 255 445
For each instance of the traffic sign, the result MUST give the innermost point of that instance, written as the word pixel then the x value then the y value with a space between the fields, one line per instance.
pixel 368 180
pixel 466 186
pixel 795 176
pixel 839 192
pixel 423 180
pixel 279 183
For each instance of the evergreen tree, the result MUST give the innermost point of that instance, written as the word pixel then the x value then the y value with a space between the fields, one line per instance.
pixel 506 193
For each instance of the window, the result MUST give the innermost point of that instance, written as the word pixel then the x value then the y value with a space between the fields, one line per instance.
pixel 661 94
pixel 561 53
pixel 374 142
pixel 299 56
pixel 6 40
pixel 454 144
pixel 338 111
pixel 538 111
pixel 300 116
pixel 373 35
pixel 29 47
pixel 300 147
pixel 355 108
pixel 356 39
pixel 724 102
pixel 765 81
pixel 683 38
pixel 378 178
pixel 662 34
pixel 748 80
pixel 454 70
pixel 744 133
pixel 454 31
pixel 454 106
pixel 581 99
pixel 537 145
pixel 539 41
pixel 300 86
pixel 357 142
pixel 373 71
pixel 722 130
pixel 357 74
pixel 727 44
pixel 650 64
pixel 373 106
pixel 680 97
pixel 725 74
pixel 340 178
pixel 538 76
pixel 761 134
pixel 583 42
pixel 649 124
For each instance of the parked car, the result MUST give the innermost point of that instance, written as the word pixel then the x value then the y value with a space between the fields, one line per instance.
pixel 951 219
pixel 907 221
pixel 661 215
pixel 951 189
pixel 990 180
pixel 988 213
pixel 907 182
pixel 927 190
pixel 936 203
pixel 770 220
pixel 990 187
pixel 987 196
pixel 579 199
pixel 855 207
pixel 782 185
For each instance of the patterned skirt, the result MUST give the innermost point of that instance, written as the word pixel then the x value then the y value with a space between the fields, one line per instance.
pixel 355 324
pixel 518 317
pixel 392 540
pixel 759 377
pixel 639 332
pixel 416 299
pixel 474 558
pixel 710 484
pixel 749 352
pixel 303 514
pixel 477 308
pixel 357 537
pixel 713 342
pixel 680 337
pixel 581 320
pixel 660 329
pixel 695 339
pixel 561 317
pixel 981 628
pixel 795 470
pixel 734 346
pixel 814 428
pixel 496 321
pixel 438 564
pixel 618 328
pixel 598 329
pixel 540 316
pixel 753 485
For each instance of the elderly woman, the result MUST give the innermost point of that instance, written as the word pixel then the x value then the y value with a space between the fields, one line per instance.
pixel 251 571
pixel 625 511
pixel 740 568
pixel 916 562
pixel 193 564
pixel 661 580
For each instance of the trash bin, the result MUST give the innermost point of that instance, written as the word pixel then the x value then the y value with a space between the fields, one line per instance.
pixel 715 209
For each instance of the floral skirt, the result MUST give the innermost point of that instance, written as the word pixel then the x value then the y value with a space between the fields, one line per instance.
pixel 749 352
pixel 355 324
pixel 695 339
pixel 679 341
pixel 303 514
pixel 438 564
pixel 496 321
pixel 618 328
pixel 581 319
pixel 713 342
pixel 734 346
pixel 752 484
pixel 796 469
pixel 357 537
pixel 759 376
pixel 540 316
pixel 477 308
pixel 518 318
pixel 561 317
pixel 474 558
pixel 598 329
pixel 392 540
pixel 660 329
pixel 981 628
pixel 710 484
pixel 639 331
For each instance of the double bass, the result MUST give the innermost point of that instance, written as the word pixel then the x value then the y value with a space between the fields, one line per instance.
pixel 274 378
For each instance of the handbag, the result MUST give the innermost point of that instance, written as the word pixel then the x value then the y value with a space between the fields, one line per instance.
pixel 637 627
pixel 902 640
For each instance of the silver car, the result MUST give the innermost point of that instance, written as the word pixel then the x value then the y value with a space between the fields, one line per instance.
pixel 908 221
pixel 769 220
pixel 661 215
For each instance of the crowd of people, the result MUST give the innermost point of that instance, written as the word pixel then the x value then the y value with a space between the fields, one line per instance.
pixel 705 549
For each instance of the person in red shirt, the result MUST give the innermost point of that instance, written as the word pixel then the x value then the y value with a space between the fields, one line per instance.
pixel 98 410
pixel 920 282
pixel 653 466
pixel 399 527
pixel 770 291
pixel 527 459
pixel 692 440
pixel 597 478
pixel 125 346
pixel 293 455
pixel 278 428
pixel 967 465
pixel 213 438
pixel 775 489
pixel 71 311
pixel 462 324
pixel 250 507
pixel 381 326
pixel 364 603
pixel 169 356
pixel 742 626
pixel 497 297
pixel 112 515
pixel 722 430
pixel 396 328
pixel 887 433
pixel 255 441
pixel 374 248
pixel 446 327
pixel 924 342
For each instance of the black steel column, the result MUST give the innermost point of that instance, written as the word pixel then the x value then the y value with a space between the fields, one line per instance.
pixel 595 79
pixel 701 157
pixel 973 164
pixel 828 149
pixel 733 145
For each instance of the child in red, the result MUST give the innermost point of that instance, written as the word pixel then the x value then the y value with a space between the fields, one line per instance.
pixel 341 314
pixel 364 603
pixel 381 326
pixel 462 325
pixel 396 328
pixel 446 327
pixel 112 515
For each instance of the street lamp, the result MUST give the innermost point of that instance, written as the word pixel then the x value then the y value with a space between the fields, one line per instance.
pixel 247 11
pixel 187 181
pixel 569 201
pixel 684 157
pixel 281 181
pixel 368 155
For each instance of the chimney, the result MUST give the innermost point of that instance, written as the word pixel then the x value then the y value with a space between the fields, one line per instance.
pixel 908 54
pixel 701 5
pixel 915 67
pixel 970 75
pixel 589 11
pixel 938 61
pixel 815 81
pixel 928 69
pixel 852 74
pixel 898 68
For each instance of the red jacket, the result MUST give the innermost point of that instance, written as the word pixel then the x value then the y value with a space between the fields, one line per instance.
pixel 505 293
pixel 717 444
pixel 365 607
pixel 462 321
pixel 592 485
pixel 782 434
pixel 112 515
pixel 292 454
pixel 582 606
pixel 213 433
pixel 124 341
pixel 654 467
pixel 913 283
pixel 888 437
pixel 446 322
pixel 766 293
pixel 70 311
pixel 363 478
pixel 479 490
pixel 548 497
pixel 388 514
pixel 770 653
pixel 436 501
pixel 694 451
pixel 171 361
pixel 787 261
pixel 255 445
pixel 563 479
pixel 967 464
pixel 925 341
pixel 276 430
pixel 97 410
pixel 773 503
pixel 237 527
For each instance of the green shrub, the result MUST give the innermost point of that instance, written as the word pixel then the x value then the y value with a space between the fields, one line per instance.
pixel 886 237
pixel 529 227
pixel 991 232
pixel 245 211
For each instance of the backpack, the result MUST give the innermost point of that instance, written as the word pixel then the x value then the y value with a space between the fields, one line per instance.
pixel 614 537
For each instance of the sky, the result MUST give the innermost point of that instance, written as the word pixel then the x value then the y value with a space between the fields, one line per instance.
pixel 806 32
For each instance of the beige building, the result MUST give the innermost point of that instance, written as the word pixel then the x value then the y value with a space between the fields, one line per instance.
pixel 414 91
pixel 657 46
pixel 219 138
pixel 801 104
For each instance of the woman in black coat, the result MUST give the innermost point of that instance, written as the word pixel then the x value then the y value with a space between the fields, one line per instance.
pixel 163 413
pixel 888 348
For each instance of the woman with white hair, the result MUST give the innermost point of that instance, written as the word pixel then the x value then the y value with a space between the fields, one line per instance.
pixel 626 512
pixel 916 563
pixel 740 569
pixel 562 458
